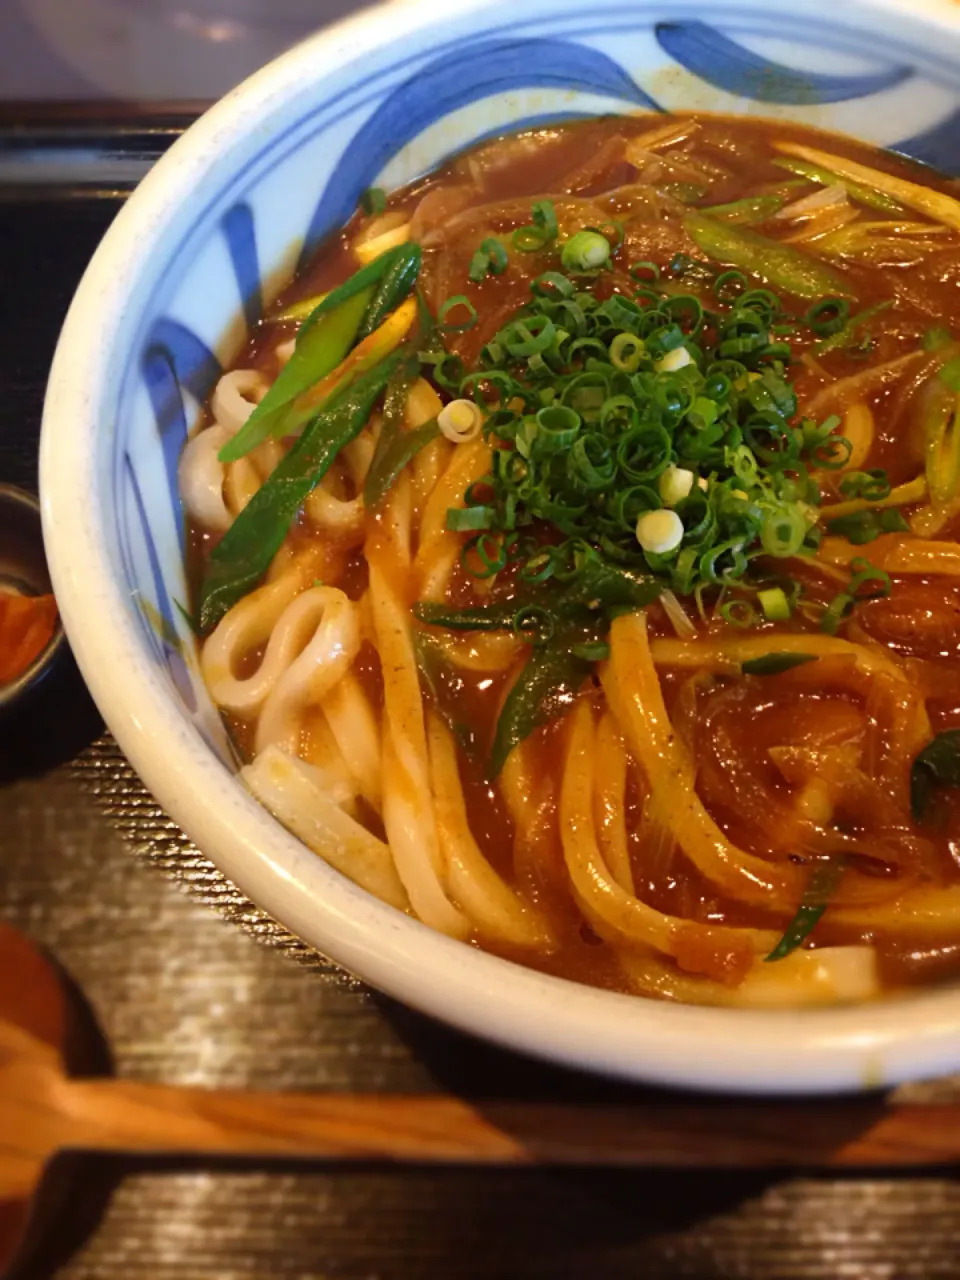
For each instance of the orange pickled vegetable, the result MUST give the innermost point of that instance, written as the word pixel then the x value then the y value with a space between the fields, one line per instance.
pixel 26 626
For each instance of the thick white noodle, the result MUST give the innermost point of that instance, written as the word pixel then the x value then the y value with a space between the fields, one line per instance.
pixel 491 904
pixel 408 811
pixel 423 403
pixel 610 799
pixel 241 482
pixel 358 454
pixel 325 640
pixel 342 518
pixel 298 796
pixel 200 477
pixel 235 397
pixel 250 623
pixel 825 976
pixel 213 492
pixel 354 727
pixel 319 748
pixel 326 509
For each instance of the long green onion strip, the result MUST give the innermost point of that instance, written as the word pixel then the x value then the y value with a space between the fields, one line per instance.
pixel 824 880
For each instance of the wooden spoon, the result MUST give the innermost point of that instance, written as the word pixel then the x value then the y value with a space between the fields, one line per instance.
pixel 43 1111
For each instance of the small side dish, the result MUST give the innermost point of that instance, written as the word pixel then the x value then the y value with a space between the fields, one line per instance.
pixel 27 625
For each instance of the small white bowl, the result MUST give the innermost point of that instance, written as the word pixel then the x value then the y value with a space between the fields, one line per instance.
pixel 213 229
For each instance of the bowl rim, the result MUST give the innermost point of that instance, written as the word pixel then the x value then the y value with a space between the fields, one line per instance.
pixel 774 1052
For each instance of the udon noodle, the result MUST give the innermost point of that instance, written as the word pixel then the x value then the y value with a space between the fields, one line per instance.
pixel 575 551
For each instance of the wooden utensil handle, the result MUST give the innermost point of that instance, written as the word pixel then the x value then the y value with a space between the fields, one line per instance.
pixel 129 1116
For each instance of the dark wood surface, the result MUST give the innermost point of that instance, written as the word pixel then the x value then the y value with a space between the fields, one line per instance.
pixel 192 984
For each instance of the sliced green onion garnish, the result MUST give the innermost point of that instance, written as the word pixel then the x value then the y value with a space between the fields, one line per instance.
pixel 836 611
pixel 860 527
pixel 603 412
pixel 483 555
pixel 459 302
pixel 592 650
pixel 373 200
pixel 626 352
pixel 783 531
pixel 828 316
pixel 645 272
pixel 533 622
pixel 774 603
pixel 936 338
pixel 865 574
pixel 541 232
pixel 462 519
pixel 872 486
pixel 738 613
pixel 729 284
pixel 585 251
pixel 490 259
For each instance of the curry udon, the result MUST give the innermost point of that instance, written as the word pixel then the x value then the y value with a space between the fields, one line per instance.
pixel 575 554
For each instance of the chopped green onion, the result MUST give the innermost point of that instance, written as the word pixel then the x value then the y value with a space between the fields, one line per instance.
pixel 828 316
pixel 592 651
pixel 373 200
pixel 453 304
pixel 626 352
pixel 729 284
pixel 489 551
pixel 859 527
pixel 541 232
pixel 783 531
pixel 738 613
pixel 845 335
pixel 864 573
pixel 645 272
pixel 937 765
pixel 872 486
pixel 892 521
pixel 775 605
pixel 533 622
pixel 936 338
pixel 490 259
pixel 585 251
pixel 462 519
pixel 836 611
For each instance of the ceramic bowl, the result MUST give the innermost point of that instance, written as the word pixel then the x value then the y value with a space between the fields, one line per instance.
pixel 188 266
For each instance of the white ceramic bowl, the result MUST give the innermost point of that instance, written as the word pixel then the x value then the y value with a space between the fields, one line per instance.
pixel 190 260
